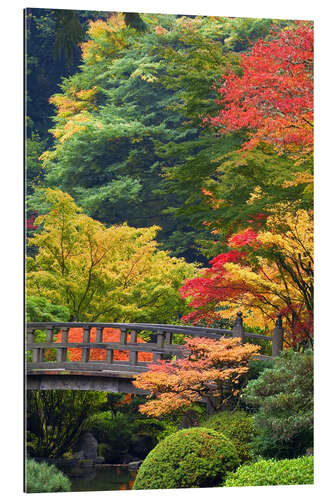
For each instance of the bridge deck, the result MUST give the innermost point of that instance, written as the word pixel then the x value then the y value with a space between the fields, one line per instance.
pixel 123 359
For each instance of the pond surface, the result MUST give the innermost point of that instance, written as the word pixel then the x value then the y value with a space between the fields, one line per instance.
pixel 100 479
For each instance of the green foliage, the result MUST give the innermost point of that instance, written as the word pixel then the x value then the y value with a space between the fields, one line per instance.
pixel 68 31
pixel 44 71
pixel 190 458
pixel 44 478
pixel 113 274
pixel 34 173
pixel 117 433
pixel 236 176
pixel 114 432
pixel 57 418
pixel 143 120
pixel 236 426
pixel 169 427
pixel 134 20
pixel 39 309
pixel 256 366
pixel 273 472
pixel 283 398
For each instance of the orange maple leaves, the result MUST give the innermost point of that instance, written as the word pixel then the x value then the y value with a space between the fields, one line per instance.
pixel 208 366
pixel 109 335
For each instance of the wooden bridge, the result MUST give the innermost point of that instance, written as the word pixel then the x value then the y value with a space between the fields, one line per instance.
pixel 112 374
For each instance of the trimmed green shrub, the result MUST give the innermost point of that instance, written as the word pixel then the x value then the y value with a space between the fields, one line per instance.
pixel 236 426
pixel 273 472
pixel 190 458
pixel 283 398
pixel 44 478
pixel 257 366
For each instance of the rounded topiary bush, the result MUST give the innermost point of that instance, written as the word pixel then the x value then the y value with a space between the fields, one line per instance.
pixel 273 472
pixel 191 458
pixel 44 478
pixel 236 426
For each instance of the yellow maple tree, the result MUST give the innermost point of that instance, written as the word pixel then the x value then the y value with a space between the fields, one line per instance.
pixel 263 274
pixel 114 274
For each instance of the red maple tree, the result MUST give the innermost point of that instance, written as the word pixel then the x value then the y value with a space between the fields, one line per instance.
pixel 272 99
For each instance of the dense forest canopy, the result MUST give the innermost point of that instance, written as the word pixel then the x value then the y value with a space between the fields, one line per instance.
pixel 198 125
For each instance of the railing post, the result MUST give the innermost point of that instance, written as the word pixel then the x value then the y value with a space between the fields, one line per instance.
pixel 160 343
pixel 99 334
pixel 49 334
pixel 123 336
pixel 86 338
pixel 133 355
pixel 31 340
pixel 277 340
pixel 238 329
pixel 62 351
pixel 168 338
pixel 109 355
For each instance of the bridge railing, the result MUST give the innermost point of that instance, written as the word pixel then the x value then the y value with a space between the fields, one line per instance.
pixel 135 361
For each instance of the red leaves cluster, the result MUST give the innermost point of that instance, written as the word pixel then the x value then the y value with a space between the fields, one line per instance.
pixel 301 329
pixel 30 222
pixel 246 237
pixel 207 290
pixel 273 98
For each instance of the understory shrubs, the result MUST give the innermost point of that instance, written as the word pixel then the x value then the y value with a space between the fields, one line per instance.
pixel 273 472
pixel 44 478
pixel 236 426
pixel 113 432
pixel 121 435
pixel 282 397
pixel 190 458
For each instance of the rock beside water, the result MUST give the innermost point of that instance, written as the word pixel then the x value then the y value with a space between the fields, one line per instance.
pixel 87 447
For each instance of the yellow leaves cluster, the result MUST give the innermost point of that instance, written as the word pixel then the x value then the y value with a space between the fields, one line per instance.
pixel 256 195
pixel 299 178
pixel 290 233
pixel 283 279
pixel 106 38
pixel 115 273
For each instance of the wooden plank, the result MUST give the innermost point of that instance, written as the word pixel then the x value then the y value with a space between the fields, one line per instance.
pixel 91 366
pixel 258 336
pixel 110 345
pixel 137 326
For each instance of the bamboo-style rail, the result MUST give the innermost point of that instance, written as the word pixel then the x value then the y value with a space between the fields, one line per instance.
pixel 161 347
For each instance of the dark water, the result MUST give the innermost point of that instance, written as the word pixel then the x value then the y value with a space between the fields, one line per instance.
pixel 100 479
